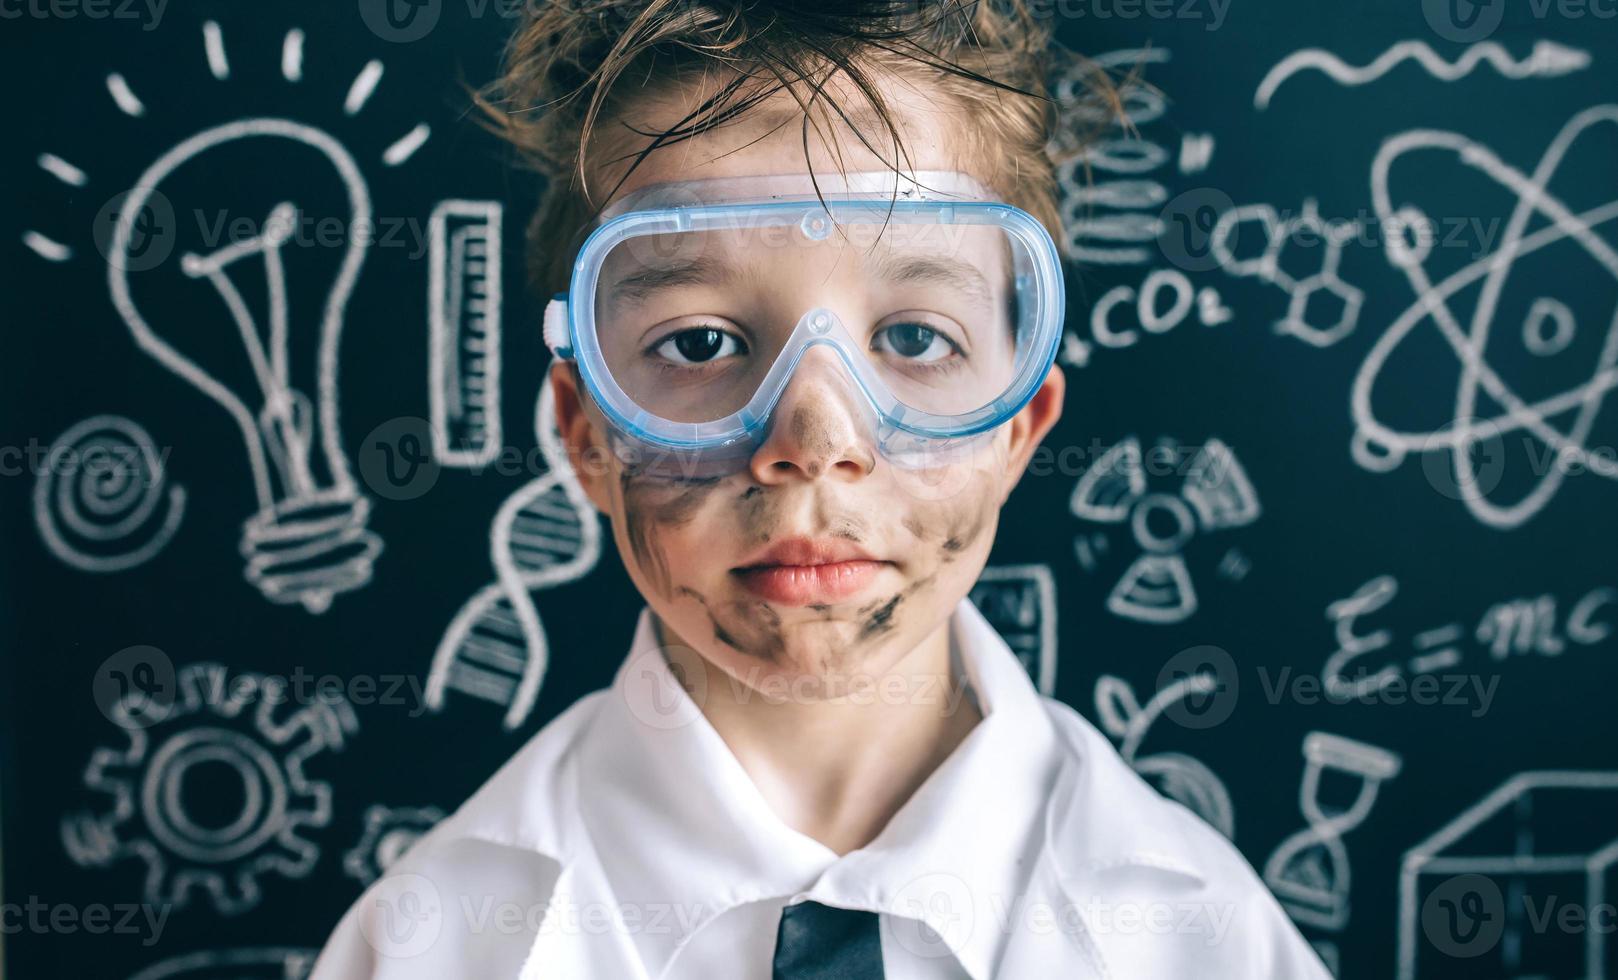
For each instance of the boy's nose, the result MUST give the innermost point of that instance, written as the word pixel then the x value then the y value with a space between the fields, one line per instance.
pixel 817 427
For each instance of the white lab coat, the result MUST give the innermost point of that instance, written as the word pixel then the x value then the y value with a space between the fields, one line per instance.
pixel 626 841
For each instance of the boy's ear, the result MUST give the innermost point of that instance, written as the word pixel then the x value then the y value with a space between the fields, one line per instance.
pixel 1030 426
pixel 587 452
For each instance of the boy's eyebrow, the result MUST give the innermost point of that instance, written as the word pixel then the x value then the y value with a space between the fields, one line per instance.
pixel 702 270
pixel 934 269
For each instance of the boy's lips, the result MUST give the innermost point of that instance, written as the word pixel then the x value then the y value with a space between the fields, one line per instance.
pixel 801 571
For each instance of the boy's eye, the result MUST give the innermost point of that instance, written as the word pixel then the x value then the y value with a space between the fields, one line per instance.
pixel 699 345
pixel 914 340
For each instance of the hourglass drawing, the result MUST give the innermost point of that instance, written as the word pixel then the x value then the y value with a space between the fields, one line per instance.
pixel 1309 871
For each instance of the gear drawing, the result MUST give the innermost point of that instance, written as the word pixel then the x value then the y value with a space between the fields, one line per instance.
pixel 242 737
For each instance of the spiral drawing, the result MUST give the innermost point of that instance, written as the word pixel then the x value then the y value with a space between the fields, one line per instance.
pixel 102 500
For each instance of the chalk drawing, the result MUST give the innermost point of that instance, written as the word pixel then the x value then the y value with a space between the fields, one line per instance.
pixel 124 97
pixel 1196 152
pixel 1176 775
pixel 213 42
pixel 1322 309
pixel 1125 233
pixel 243 963
pixel 167 785
pixel 1547 60
pixel 1379 446
pixel 309 539
pixel 1527 626
pixel 389 832
pixel 1309 871
pixel 1214 493
pixel 1468 893
pixel 292 56
pixel 546 534
pixel 1019 601
pixel 100 503
pixel 42 245
pixel 463 320
pixel 1165 299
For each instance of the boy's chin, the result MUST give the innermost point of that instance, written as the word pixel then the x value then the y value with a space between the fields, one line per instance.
pixel 807 676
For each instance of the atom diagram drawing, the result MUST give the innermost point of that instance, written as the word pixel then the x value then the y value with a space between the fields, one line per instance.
pixel 1560 421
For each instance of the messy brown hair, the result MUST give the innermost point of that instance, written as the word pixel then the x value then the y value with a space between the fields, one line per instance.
pixel 574 65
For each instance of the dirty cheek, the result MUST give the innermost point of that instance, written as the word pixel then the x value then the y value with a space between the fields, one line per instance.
pixel 952 526
pixel 752 627
pixel 956 523
pixel 654 507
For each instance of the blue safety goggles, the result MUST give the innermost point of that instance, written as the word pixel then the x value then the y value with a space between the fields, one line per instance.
pixel 693 305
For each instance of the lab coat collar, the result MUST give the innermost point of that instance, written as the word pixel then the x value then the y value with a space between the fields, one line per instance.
pixel 682 831
pixel 635 780
pixel 1088 839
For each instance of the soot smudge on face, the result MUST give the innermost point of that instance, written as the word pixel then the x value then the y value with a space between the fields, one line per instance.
pixel 751 626
pixel 653 505
pixel 956 523
pixel 815 436
pixel 877 618
pixel 755 511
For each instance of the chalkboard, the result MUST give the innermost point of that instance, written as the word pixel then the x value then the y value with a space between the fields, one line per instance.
pixel 1322 540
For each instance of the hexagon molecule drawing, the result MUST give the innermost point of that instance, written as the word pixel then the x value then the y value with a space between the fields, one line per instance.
pixel 1322 309
pixel 1548 325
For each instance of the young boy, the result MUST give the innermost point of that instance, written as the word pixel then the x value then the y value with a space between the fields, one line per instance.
pixel 802 361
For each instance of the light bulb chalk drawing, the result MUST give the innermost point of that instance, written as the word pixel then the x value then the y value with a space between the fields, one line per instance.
pixel 99 504
pixel 1547 60
pixel 1019 601
pixel 546 534
pixel 307 541
pixel 1468 893
pixel 1214 494
pixel 1176 775
pixel 124 97
pixel 1379 446
pixel 37 242
pixel 1309 871
pixel 239 963
pixel 1276 264
pixel 1526 626
pixel 463 346
pixel 220 720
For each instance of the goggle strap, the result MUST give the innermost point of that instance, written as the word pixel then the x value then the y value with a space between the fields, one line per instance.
pixel 556 336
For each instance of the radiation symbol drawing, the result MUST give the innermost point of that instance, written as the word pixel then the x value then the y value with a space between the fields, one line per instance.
pixel 1212 493
pixel 212 794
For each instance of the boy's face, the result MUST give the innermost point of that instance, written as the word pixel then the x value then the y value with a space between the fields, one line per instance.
pixel 694 546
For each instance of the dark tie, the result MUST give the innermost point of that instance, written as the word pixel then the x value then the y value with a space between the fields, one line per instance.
pixel 819 942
